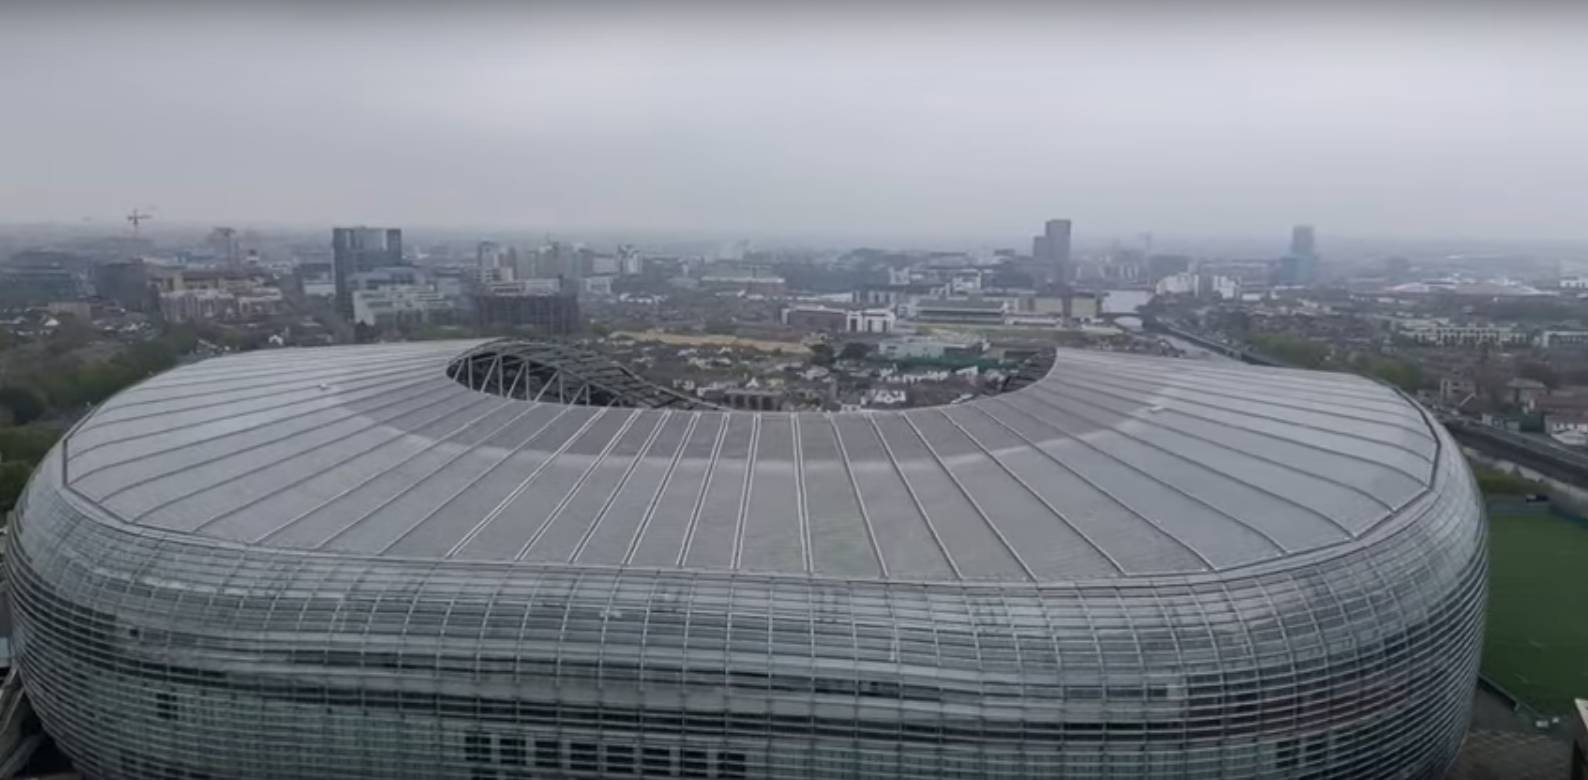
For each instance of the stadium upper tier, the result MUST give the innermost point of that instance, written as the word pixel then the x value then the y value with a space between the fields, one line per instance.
pixel 1111 466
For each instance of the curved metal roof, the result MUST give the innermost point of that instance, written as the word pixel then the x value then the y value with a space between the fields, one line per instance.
pixel 1111 465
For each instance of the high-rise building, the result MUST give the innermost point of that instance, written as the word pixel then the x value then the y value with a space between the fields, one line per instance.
pixel 490 261
pixel 1057 238
pixel 1303 240
pixel 123 282
pixel 356 249
pixel 1300 266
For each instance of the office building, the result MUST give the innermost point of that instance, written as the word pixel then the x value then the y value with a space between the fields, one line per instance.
pixel 1300 266
pixel 124 283
pixel 358 249
pixel 496 559
pixel 1057 241
pixel 1303 241
pixel 534 303
pixel 38 285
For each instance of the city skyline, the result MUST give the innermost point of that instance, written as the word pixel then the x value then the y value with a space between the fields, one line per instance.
pixel 719 122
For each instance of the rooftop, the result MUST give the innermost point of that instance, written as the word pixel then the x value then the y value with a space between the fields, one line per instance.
pixel 1110 466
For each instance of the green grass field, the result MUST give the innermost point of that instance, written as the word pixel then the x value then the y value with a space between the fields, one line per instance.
pixel 1536 644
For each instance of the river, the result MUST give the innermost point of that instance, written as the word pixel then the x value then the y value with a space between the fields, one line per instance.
pixel 1125 301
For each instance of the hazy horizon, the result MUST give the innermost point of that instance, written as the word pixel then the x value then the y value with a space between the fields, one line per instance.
pixel 849 123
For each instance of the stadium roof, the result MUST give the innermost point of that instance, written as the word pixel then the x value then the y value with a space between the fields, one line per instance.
pixel 1110 465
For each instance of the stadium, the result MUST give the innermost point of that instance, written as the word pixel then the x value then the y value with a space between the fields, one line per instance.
pixel 504 559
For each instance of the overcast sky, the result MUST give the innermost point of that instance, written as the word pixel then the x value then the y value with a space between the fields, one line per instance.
pixel 822 121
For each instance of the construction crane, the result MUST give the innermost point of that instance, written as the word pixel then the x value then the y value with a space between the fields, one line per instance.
pixel 138 218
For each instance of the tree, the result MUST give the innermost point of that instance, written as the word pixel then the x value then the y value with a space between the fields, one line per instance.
pixel 27 444
pixel 822 354
pixel 1539 371
pixel 13 477
pixel 70 333
pixel 1296 351
pixel 854 350
pixel 25 405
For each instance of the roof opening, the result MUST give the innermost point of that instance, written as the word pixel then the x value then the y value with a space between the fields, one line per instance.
pixel 560 373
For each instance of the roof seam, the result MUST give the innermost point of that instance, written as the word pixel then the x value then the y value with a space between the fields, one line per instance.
pixel 523 484
pixel 1101 387
pixel 974 504
pixel 411 457
pixel 860 501
pixel 250 429
pixel 751 461
pixel 1203 466
pixel 166 429
pixel 1068 468
pixel 801 506
pixel 343 372
pixel 639 457
pixel 491 469
pixel 661 487
pixel 1196 499
pixel 920 508
pixel 567 498
pixel 300 453
pixel 1152 421
pixel 1176 381
pixel 1272 418
pixel 700 497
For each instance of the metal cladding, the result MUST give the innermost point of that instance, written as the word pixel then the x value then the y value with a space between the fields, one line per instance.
pixel 405 561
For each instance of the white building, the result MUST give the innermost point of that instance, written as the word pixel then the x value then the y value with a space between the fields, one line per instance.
pixel 920 347
pixel 1446 333
pixel 1574 283
pixel 402 305
pixel 870 321
pixel 885 396
pixel 1184 283
pixel 221 305
pixel 1562 338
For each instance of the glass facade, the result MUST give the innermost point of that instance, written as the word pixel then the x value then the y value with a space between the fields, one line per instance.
pixel 150 653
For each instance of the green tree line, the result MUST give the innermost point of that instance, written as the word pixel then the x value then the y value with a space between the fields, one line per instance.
pixel 42 398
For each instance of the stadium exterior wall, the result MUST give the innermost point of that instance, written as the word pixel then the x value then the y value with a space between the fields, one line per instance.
pixel 153 654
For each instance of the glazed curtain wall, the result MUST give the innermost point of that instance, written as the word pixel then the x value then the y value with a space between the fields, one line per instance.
pixel 158 656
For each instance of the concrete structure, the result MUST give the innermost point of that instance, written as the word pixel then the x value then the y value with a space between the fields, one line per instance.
pixel 391 562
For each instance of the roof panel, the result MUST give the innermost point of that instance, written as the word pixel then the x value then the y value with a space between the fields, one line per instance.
pixel 1111 465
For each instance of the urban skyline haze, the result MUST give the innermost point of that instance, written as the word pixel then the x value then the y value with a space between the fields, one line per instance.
pixel 866 123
